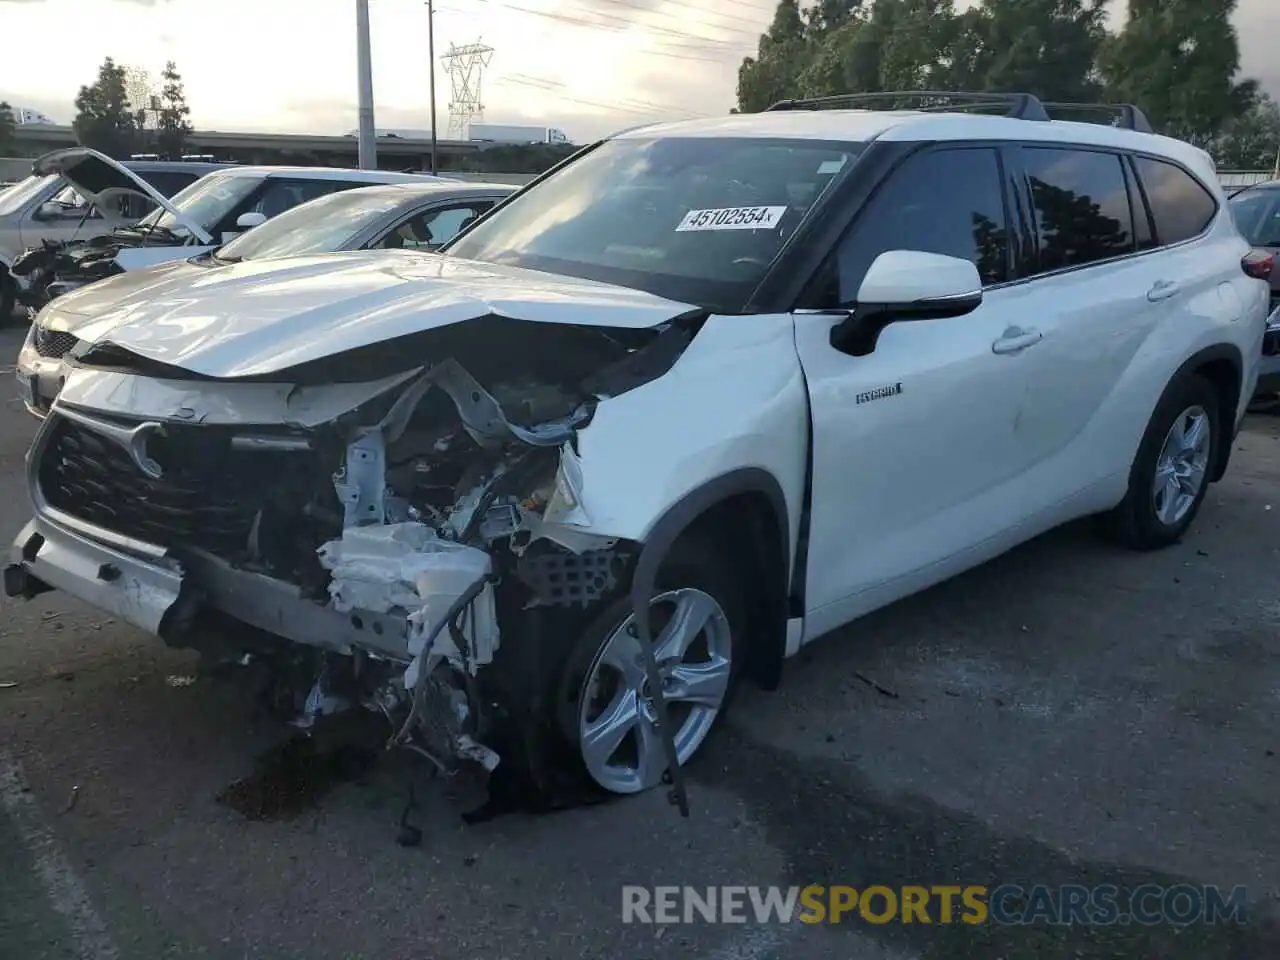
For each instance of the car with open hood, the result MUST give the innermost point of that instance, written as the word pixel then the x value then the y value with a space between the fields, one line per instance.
pixel 50 207
pixel 390 216
pixel 703 393
pixel 210 212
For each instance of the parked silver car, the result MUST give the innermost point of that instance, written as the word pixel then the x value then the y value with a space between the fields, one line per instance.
pixel 45 206
pixel 393 216
pixel 397 216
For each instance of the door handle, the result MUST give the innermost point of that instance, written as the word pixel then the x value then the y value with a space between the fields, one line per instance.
pixel 1015 340
pixel 1163 290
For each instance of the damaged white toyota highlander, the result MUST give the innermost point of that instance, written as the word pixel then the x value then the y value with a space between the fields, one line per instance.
pixel 700 395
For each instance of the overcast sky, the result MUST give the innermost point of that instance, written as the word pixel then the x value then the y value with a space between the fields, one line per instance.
pixel 586 66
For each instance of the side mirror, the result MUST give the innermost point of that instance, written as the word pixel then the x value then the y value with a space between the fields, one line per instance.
pixel 247 221
pixel 906 285
pixel 49 211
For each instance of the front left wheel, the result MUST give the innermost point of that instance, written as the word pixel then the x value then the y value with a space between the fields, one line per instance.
pixel 607 711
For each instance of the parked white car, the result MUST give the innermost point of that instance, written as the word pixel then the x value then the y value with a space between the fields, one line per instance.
pixel 702 395
pixel 210 212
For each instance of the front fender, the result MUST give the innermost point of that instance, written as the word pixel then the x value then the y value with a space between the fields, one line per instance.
pixel 733 404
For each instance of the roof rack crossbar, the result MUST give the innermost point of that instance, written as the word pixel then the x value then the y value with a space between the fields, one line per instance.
pixel 1129 116
pixel 1021 106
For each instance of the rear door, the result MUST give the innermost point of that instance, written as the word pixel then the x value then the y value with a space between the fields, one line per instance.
pixel 1094 294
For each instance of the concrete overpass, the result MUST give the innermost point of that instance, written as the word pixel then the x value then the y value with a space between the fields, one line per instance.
pixel 394 153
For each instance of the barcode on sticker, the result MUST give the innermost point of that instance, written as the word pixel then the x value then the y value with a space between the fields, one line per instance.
pixel 732 218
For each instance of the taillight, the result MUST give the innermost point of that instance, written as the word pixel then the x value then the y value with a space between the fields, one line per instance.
pixel 1257 264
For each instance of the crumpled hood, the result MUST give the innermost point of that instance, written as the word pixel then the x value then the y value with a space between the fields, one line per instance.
pixel 259 317
pixel 135 285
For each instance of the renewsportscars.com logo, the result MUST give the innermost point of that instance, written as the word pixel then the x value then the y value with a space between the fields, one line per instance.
pixel 1007 904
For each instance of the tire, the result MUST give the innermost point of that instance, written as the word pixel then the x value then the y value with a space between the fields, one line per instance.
pixel 8 296
pixel 1144 520
pixel 692 573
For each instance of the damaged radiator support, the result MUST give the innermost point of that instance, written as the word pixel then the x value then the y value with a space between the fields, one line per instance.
pixel 370 505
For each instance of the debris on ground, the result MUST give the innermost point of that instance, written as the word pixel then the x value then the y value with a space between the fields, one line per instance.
pixel 179 681
pixel 877 687
pixel 71 800
pixel 8 684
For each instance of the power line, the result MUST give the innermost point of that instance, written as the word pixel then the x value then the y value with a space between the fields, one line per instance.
pixel 624 23
pixel 633 5
pixel 632 106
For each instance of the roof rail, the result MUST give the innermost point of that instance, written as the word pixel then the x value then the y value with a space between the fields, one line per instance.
pixel 1021 106
pixel 1128 117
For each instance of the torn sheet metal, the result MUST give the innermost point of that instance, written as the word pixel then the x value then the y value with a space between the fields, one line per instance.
pixel 480 413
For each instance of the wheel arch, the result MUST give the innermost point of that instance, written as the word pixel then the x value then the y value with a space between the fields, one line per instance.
pixel 743 513
pixel 1223 366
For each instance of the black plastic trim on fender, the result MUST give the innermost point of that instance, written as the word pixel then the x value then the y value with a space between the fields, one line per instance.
pixel 1219 351
pixel 644 581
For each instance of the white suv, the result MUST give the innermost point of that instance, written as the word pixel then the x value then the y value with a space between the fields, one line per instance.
pixel 727 384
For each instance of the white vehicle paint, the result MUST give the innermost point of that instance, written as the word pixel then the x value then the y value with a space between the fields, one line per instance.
pixel 889 379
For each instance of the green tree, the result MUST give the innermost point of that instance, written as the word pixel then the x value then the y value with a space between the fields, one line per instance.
pixel 104 118
pixel 8 143
pixel 1046 47
pixel 173 125
pixel 1251 141
pixel 914 39
pixel 783 53
pixel 1178 60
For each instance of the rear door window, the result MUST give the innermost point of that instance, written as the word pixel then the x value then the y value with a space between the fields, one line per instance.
pixel 1181 206
pixel 1082 207
pixel 429 229
pixel 283 193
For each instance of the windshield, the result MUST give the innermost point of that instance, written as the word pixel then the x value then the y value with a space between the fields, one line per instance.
pixel 695 219
pixel 1257 216
pixel 320 226
pixel 16 197
pixel 207 202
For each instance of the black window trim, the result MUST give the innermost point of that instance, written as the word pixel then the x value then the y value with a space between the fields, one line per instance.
pixel 1126 156
pixel 1137 174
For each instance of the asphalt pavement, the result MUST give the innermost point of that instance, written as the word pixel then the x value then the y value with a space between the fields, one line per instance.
pixel 1068 714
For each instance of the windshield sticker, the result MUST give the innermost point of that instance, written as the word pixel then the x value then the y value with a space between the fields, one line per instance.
pixel 732 218
pixel 831 166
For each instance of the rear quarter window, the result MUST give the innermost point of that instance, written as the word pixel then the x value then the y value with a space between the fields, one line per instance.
pixel 1180 205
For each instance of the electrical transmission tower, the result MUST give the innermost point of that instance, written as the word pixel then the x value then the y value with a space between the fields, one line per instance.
pixel 465 66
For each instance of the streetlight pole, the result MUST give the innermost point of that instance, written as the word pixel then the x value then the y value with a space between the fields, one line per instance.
pixel 431 56
pixel 368 144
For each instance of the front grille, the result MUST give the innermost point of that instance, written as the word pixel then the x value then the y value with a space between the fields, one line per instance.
pixel 52 344
pixel 208 496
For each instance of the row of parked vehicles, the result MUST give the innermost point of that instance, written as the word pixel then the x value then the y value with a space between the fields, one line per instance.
pixel 541 476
